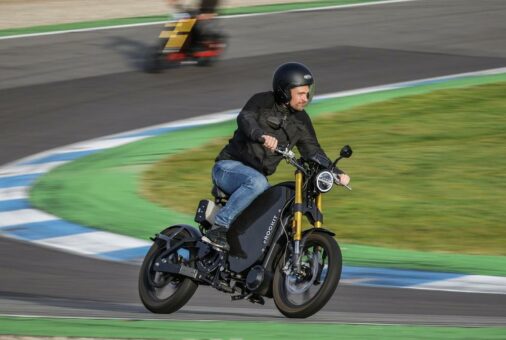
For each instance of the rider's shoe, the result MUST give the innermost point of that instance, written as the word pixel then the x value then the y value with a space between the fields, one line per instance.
pixel 217 236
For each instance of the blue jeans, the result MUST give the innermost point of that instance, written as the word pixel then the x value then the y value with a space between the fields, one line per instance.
pixel 242 183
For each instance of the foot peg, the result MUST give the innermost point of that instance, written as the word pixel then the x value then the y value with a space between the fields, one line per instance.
pixel 221 247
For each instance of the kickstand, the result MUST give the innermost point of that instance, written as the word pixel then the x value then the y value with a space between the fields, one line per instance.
pixel 240 296
pixel 253 298
pixel 256 299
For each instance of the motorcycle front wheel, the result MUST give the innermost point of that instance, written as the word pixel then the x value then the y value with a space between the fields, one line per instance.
pixel 299 293
pixel 164 292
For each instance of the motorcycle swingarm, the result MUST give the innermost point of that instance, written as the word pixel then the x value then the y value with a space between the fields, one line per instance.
pixel 179 270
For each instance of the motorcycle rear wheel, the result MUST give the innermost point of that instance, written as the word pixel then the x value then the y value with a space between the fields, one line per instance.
pixel 163 292
pixel 153 60
pixel 302 295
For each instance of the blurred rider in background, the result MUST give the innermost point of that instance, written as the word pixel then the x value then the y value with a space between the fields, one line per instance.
pixel 205 12
pixel 207 9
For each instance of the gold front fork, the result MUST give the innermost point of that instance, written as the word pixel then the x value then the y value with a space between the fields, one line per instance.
pixel 297 221
pixel 318 223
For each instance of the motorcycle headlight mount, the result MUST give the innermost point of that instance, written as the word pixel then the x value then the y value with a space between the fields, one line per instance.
pixel 324 181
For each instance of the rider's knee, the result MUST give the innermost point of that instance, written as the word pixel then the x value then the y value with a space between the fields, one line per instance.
pixel 258 184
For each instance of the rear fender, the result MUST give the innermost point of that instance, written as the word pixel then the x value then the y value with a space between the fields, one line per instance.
pixel 168 241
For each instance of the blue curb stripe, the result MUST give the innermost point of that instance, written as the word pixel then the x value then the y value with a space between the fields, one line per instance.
pixel 60 157
pixel 43 230
pixel 393 277
pixel 14 205
pixel 156 132
pixel 18 181
pixel 126 254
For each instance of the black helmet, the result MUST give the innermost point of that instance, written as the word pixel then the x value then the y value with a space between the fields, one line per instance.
pixel 288 76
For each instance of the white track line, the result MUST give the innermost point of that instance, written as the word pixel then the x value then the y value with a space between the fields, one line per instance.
pixel 221 17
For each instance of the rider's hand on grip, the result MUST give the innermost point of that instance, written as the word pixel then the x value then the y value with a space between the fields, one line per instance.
pixel 270 142
pixel 344 179
pixel 340 177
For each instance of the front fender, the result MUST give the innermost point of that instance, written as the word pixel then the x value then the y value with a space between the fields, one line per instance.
pixel 307 232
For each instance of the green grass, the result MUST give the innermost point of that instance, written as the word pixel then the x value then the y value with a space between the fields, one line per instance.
pixel 163 17
pixel 429 172
pixel 168 329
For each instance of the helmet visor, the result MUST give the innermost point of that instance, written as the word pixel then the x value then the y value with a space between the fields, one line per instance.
pixel 311 92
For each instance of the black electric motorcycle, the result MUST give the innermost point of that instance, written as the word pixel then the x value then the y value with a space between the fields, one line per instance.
pixel 270 255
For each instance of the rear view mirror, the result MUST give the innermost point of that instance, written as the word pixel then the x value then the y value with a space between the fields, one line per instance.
pixel 346 151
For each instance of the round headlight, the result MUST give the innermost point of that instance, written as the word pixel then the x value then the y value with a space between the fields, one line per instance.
pixel 324 181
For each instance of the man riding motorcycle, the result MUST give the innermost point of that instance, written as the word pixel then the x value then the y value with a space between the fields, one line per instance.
pixel 267 120
pixel 206 27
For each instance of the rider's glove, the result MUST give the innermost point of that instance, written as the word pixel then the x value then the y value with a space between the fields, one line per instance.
pixel 336 172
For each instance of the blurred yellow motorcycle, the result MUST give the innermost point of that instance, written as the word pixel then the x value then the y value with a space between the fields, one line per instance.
pixel 185 40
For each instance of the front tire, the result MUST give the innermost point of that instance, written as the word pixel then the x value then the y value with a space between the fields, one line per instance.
pixel 300 295
pixel 163 292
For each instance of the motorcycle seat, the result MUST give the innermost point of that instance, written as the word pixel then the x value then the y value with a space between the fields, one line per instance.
pixel 218 193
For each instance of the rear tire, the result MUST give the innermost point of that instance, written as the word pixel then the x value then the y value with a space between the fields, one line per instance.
pixel 154 60
pixel 323 271
pixel 181 288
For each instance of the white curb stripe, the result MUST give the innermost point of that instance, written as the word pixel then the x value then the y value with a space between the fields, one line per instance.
pixel 98 144
pixel 14 193
pixel 24 216
pixel 28 169
pixel 93 243
pixel 468 283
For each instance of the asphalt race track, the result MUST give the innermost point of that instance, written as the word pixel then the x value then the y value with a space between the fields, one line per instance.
pixel 60 89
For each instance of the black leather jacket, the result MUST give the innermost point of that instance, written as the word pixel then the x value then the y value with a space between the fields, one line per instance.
pixel 263 116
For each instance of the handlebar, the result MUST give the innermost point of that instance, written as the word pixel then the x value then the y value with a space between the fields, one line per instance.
pixel 289 155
